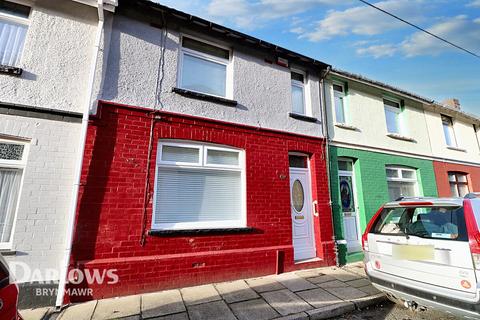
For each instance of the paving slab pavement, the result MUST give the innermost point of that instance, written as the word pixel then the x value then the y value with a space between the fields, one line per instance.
pixel 285 302
pixel 308 294
pixel 162 303
pixel 217 310
pixel 256 309
pixel 235 291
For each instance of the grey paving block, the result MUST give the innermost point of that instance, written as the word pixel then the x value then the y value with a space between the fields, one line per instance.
pixel 217 310
pixel 331 311
pixel 344 275
pixel 117 308
pixel 199 294
pixel 321 279
pixel 176 316
pixel 359 283
pixel 162 303
pixel 346 293
pixel 294 283
pixel 285 302
pixel 318 297
pixel 363 302
pixel 371 290
pixel 296 316
pixel 264 284
pixel 235 291
pixel 253 310
pixel 333 284
pixel 310 273
pixel 81 311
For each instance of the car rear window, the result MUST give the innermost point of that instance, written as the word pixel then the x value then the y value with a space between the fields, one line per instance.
pixel 446 223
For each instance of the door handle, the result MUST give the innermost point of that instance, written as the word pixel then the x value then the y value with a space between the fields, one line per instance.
pixel 389 242
pixel 443 249
pixel 315 208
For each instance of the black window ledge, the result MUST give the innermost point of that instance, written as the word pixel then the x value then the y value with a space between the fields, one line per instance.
pixel 8 253
pixel 204 97
pixel 198 232
pixel 10 70
pixel 456 149
pixel 302 117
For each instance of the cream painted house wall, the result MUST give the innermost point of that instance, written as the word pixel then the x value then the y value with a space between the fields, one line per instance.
pixel 468 149
pixel 364 111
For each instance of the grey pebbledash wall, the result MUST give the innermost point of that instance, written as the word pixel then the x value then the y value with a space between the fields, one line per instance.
pixel 261 89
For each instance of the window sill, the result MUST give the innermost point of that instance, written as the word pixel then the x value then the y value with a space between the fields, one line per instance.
pixel 346 126
pixel 205 97
pixel 199 232
pixel 400 137
pixel 302 117
pixel 11 70
pixel 456 149
pixel 5 252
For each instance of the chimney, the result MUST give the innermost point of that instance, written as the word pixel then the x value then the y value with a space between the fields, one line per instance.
pixel 452 103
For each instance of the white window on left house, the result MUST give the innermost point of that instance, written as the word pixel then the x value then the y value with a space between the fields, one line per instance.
pixel 339 100
pixel 205 68
pixel 448 132
pixel 298 93
pixel 392 115
pixel 12 164
pixel 13 30
pixel 198 186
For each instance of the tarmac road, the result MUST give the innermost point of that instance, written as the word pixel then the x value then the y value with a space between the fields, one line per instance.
pixel 391 311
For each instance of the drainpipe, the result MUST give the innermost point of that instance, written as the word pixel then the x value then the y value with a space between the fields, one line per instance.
pixel 79 161
pixel 326 135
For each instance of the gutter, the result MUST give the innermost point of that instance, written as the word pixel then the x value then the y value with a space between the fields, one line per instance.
pixel 79 161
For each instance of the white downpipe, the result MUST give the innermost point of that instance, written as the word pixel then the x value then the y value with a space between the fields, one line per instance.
pixel 79 161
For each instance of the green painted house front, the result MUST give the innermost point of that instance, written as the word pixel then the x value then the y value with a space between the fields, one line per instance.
pixel 361 181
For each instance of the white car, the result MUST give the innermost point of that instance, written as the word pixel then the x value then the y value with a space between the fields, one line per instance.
pixel 425 252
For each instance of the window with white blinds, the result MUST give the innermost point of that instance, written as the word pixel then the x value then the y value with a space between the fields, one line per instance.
pixel 198 186
pixel 13 29
pixel 12 163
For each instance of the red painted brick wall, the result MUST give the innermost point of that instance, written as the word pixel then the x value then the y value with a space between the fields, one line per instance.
pixel 441 175
pixel 110 213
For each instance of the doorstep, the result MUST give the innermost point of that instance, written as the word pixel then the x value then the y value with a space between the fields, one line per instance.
pixel 318 293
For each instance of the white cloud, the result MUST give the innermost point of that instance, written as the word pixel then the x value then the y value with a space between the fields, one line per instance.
pixel 297 30
pixel 251 14
pixel 378 51
pixel 460 30
pixel 474 3
pixel 364 20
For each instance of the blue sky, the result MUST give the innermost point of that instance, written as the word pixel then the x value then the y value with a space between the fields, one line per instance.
pixel 356 38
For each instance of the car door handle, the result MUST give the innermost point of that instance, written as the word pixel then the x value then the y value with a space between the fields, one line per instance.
pixel 443 249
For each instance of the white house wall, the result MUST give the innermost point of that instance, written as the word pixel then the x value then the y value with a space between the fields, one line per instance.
pixel 261 89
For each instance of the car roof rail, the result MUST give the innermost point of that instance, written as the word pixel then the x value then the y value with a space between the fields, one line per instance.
pixel 472 195
pixel 414 198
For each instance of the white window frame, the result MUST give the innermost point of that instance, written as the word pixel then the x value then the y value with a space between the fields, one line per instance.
pixel 398 111
pixel 204 147
pixel 475 130
pixel 402 179
pixel 19 20
pixel 451 131
pixel 344 96
pixel 305 85
pixel 226 62
pixel 17 165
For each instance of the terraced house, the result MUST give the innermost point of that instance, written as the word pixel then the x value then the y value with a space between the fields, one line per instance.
pixel 205 160
pixel 386 143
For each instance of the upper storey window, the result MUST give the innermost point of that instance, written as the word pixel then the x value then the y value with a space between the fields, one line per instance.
pixel 298 93
pixel 13 29
pixel 448 131
pixel 339 100
pixel 204 68
pixel 392 115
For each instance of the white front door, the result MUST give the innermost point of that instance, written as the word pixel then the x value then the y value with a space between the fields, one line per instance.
pixel 349 210
pixel 301 210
